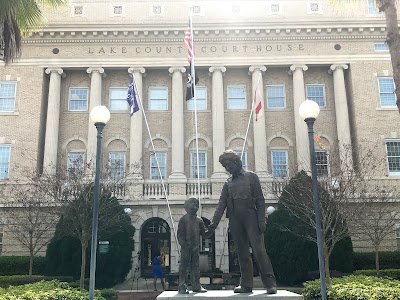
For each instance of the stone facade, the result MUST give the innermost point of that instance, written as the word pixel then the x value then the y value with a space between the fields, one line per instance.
pixel 96 45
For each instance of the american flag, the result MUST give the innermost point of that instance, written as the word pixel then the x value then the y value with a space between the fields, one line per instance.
pixel 131 98
pixel 188 42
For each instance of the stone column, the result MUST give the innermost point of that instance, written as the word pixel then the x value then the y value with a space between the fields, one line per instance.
pixel 178 146
pixel 342 117
pixel 260 139
pixel 136 128
pixel 217 107
pixel 94 100
pixel 53 121
pixel 299 96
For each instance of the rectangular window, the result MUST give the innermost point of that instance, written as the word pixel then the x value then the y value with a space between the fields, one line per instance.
pixel 322 161
pixel 236 97
pixel 116 162
pixel 5 151
pixel 276 97
pixel 373 8
pixel 78 99
pixel 386 92
pixel 381 47
pixel 243 157
pixel 393 156
pixel 201 99
pixel 158 98
pixel 118 99
pixel 279 164
pixel 7 96
pixel 162 162
pixel 316 92
pixel 202 169
pixel 75 164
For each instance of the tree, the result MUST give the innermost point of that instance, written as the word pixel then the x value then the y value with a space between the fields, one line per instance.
pixel 376 218
pixel 30 215
pixel 16 19
pixel 77 217
pixel 388 7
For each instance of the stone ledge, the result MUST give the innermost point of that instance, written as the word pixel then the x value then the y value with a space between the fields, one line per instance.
pixel 229 294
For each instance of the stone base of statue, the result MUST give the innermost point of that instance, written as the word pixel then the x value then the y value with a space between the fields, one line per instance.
pixel 229 295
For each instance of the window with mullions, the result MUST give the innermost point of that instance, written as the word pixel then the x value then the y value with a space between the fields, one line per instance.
pixel 322 161
pixel 78 99
pixel 243 157
pixel 373 8
pixel 201 99
pixel 5 151
pixel 316 93
pixel 75 164
pixel 117 99
pixel 236 97
pixel 393 156
pixel 279 159
pixel 116 162
pixel 158 98
pixel 7 96
pixel 202 169
pixel 387 96
pixel 276 98
pixel 162 162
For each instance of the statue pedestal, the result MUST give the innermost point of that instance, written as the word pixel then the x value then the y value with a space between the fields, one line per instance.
pixel 229 295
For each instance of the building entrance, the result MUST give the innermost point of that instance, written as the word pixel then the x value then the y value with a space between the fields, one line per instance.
pixel 156 237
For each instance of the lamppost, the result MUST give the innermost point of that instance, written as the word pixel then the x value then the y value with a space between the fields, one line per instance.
pixel 100 115
pixel 309 110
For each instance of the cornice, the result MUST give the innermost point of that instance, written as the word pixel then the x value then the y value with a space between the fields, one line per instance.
pixel 209 32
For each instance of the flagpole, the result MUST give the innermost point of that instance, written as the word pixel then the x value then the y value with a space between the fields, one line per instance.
pixel 155 156
pixel 193 74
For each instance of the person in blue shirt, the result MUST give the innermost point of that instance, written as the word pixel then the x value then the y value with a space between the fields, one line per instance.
pixel 157 270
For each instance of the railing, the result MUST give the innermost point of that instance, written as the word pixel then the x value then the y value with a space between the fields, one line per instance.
pixel 155 190
pixel 278 186
pixel 118 190
pixel 192 189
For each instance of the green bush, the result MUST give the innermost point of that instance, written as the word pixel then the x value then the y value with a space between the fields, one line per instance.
pixel 46 290
pixel 19 265
pixel 387 260
pixel 355 288
pixel 109 294
pixel 392 273
pixel 15 280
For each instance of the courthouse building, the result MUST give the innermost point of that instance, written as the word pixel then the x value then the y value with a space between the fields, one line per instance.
pixel 284 50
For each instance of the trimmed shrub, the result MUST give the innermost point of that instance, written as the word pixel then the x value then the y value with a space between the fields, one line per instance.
pixel 392 273
pixel 387 260
pixel 16 280
pixel 355 288
pixel 19 265
pixel 109 294
pixel 46 290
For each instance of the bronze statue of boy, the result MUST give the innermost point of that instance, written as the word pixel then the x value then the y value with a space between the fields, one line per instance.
pixel 190 228
pixel 244 201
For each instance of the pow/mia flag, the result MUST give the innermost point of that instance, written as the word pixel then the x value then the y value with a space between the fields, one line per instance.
pixel 190 84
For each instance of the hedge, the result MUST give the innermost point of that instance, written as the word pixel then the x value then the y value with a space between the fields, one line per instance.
pixel 46 290
pixel 366 260
pixel 19 265
pixel 392 273
pixel 16 280
pixel 355 288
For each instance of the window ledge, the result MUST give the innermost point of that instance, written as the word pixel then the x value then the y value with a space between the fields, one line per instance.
pixel 394 108
pixel 14 113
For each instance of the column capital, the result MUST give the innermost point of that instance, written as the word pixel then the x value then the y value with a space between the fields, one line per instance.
pixel 217 68
pixel 136 69
pixel 335 67
pixel 295 67
pixel 54 70
pixel 255 68
pixel 100 70
pixel 172 70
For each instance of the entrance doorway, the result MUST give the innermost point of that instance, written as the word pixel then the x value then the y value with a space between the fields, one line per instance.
pixel 156 237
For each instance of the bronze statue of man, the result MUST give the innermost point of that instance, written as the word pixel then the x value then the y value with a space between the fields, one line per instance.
pixel 245 207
